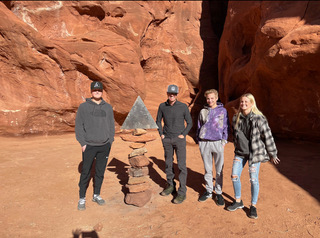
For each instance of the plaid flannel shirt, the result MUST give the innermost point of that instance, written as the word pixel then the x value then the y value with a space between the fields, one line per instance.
pixel 262 145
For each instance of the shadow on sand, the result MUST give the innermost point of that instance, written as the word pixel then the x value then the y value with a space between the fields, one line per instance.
pixel 120 169
pixel 195 180
pixel 85 234
pixel 300 162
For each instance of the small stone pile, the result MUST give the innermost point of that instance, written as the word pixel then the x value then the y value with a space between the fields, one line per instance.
pixel 139 181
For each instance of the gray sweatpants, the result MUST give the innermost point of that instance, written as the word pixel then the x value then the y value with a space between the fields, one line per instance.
pixel 215 149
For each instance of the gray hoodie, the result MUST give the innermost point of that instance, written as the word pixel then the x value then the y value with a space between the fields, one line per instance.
pixel 94 123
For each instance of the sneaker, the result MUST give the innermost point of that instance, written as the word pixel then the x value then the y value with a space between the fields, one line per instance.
pixel 235 205
pixel 82 204
pixel 98 200
pixel 205 196
pixel 219 200
pixel 168 190
pixel 253 212
pixel 179 199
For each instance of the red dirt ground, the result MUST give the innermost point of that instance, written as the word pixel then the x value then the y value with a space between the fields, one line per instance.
pixel 39 194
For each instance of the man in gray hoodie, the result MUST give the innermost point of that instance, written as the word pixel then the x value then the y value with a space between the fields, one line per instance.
pixel 95 132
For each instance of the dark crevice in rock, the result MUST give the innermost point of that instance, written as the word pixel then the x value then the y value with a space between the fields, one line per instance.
pixel 211 27
pixel 8 4
pixel 305 12
pixel 91 10
pixel 87 40
pixel 143 63
pixel 157 22
pixel 84 69
pixel 181 65
pixel 218 13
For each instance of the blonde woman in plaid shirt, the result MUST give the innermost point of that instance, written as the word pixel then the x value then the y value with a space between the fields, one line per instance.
pixel 254 143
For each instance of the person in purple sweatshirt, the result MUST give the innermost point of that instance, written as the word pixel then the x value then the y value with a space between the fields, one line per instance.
pixel 212 135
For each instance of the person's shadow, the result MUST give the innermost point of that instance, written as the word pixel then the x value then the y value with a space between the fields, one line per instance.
pixel 84 234
pixel 120 169
pixel 194 179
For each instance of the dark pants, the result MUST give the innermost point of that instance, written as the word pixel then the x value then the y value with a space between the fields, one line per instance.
pixel 101 153
pixel 170 146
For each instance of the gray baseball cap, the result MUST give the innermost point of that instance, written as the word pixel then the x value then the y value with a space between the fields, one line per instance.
pixel 173 89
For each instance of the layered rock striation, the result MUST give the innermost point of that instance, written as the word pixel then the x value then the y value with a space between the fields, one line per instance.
pixel 272 50
pixel 51 50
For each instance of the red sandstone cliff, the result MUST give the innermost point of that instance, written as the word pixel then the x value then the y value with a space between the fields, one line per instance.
pixel 50 51
pixel 272 49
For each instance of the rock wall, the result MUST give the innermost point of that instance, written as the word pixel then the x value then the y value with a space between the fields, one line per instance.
pixel 272 49
pixel 51 50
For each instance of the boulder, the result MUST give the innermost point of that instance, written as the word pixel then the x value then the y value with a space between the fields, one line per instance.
pixel 139 132
pixel 138 172
pixel 137 152
pixel 138 199
pixel 137 145
pixel 137 180
pixel 137 188
pixel 139 161
pixel 142 138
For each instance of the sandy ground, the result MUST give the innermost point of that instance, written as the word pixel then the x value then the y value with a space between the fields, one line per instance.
pixel 39 194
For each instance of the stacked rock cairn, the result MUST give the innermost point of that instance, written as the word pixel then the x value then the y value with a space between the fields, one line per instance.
pixel 139 182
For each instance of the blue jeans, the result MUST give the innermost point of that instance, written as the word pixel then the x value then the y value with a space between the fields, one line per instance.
pixel 238 164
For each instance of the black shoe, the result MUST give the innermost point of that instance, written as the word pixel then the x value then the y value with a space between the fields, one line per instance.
pixel 205 196
pixel 168 190
pixel 219 200
pixel 253 212
pixel 235 205
pixel 179 199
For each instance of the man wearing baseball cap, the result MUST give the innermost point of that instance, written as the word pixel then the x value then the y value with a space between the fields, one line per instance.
pixel 95 132
pixel 173 134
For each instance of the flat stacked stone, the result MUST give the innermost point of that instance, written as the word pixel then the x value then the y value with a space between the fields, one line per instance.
pixel 137 145
pixel 139 182
pixel 142 138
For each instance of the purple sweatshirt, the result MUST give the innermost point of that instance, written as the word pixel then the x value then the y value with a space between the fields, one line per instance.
pixel 213 124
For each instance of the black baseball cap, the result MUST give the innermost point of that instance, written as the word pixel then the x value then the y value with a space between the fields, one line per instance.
pixel 96 85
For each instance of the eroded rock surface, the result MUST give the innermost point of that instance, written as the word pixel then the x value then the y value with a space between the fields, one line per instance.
pixel 51 50
pixel 272 49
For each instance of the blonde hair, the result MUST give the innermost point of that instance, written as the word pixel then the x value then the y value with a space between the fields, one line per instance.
pixel 206 93
pixel 254 107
